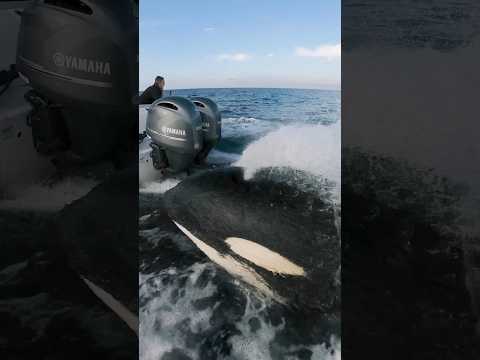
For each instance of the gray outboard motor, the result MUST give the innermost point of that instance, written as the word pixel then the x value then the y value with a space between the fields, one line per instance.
pixel 175 126
pixel 211 125
pixel 80 58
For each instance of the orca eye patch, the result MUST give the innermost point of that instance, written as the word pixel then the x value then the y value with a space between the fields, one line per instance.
pixel 264 257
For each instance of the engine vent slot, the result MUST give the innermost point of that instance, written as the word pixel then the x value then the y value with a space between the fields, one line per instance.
pixel 74 5
pixel 199 104
pixel 168 106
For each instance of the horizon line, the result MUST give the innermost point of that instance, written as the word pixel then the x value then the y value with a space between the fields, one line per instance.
pixel 249 87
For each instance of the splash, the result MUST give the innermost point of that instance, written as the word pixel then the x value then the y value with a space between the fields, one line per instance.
pixel 246 127
pixel 169 307
pixel 314 149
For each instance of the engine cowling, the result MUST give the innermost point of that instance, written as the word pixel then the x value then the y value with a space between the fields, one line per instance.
pixel 211 125
pixel 175 126
pixel 81 56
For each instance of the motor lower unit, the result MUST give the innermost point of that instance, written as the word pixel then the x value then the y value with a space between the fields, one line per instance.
pixel 182 131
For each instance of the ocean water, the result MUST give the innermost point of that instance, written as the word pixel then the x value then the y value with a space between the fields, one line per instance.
pixel 189 307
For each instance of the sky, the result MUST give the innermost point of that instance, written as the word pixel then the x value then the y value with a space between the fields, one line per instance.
pixel 240 43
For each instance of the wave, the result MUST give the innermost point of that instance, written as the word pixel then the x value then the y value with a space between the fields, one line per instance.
pixel 311 148
pixel 241 127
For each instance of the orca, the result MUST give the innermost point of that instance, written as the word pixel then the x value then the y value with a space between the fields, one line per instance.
pixel 274 235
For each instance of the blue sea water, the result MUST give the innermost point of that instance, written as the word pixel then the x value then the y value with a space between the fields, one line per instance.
pixel 191 309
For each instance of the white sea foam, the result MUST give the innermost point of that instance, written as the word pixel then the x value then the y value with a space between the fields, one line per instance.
pixel 246 127
pixel 311 148
pixel 254 344
pixel 257 343
pixel 321 352
pixel 154 187
pixel 162 318
pixel 166 325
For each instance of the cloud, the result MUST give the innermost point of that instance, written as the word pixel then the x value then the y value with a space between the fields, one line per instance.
pixel 209 29
pixel 239 57
pixel 270 55
pixel 327 51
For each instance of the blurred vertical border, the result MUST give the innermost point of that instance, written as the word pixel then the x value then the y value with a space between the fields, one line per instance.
pixel 68 179
pixel 410 180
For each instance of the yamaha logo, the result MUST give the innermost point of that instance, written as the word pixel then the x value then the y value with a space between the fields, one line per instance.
pixel 81 64
pixel 171 131
pixel 59 59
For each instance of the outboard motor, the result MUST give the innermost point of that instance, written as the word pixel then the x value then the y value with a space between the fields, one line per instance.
pixel 80 58
pixel 211 125
pixel 175 126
